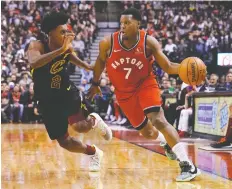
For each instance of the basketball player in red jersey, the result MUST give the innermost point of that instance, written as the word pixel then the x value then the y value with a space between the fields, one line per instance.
pixel 128 56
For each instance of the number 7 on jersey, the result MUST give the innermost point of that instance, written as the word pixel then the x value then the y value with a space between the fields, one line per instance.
pixel 128 72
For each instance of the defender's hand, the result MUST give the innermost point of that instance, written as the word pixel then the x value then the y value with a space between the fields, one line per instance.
pixel 68 38
pixel 93 90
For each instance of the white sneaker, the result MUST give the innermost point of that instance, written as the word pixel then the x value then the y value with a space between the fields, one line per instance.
pixel 119 120
pixel 112 119
pixel 116 122
pixel 124 120
pixel 107 117
pixel 95 160
pixel 102 127
pixel 187 173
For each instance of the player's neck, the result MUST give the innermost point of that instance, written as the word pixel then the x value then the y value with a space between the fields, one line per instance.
pixel 52 47
pixel 130 42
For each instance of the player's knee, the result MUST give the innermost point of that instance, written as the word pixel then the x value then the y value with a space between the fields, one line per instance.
pixel 82 126
pixel 150 133
pixel 158 121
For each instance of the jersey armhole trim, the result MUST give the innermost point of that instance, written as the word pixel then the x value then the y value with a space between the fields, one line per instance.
pixel 112 45
pixel 145 44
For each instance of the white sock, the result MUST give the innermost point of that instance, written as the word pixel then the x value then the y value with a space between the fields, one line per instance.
pixel 161 137
pixel 181 153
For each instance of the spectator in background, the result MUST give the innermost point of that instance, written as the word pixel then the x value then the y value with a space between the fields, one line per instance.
pixel 222 80
pixel 5 91
pixel 182 49
pixel 16 105
pixel 229 77
pixel 102 102
pixel 114 113
pixel 228 83
pixel 25 81
pixel 14 78
pixel 213 82
pixel 79 46
pixel 200 48
pixel 86 75
pixel 186 112
pixel 5 110
pixel 30 114
pixel 165 87
pixel 169 48
pixel 84 85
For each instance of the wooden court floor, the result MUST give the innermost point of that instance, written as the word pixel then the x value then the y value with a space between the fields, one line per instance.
pixel 30 160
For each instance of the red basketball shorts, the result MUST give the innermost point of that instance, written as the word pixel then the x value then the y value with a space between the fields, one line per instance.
pixel 136 105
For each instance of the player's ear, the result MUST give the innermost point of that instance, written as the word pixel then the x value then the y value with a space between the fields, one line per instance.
pixel 49 34
pixel 139 23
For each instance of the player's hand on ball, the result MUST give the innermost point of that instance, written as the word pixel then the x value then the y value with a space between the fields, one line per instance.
pixel 93 90
pixel 192 71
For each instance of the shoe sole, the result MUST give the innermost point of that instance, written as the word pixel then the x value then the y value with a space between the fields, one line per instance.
pixel 190 178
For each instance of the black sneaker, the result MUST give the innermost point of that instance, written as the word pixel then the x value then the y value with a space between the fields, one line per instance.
pixel 186 173
pixel 221 143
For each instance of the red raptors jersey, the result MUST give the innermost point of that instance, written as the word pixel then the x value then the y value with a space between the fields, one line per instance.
pixel 128 68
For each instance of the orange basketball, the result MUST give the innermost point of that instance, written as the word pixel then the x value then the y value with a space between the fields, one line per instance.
pixel 192 71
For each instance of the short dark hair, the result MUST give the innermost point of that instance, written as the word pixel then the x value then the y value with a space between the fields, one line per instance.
pixel 134 12
pixel 52 20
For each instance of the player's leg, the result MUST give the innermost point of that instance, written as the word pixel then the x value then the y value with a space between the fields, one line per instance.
pixel 74 145
pixel 56 123
pixel 81 121
pixel 150 101
pixel 93 121
pixel 159 121
pixel 188 170
pixel 150 132
pixel 135 114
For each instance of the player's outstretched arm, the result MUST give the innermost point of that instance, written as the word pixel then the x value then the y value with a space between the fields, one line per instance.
pixel 104 47
pixel 161 58
pixel 99 66
pixel 36 56
pixel 78 62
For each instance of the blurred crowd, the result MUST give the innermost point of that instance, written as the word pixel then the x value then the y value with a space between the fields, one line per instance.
pixel 184 29
pixel 20 23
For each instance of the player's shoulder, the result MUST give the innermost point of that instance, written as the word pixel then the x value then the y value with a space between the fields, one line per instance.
pixel 152 42
pixel 35 45
pixel 105 43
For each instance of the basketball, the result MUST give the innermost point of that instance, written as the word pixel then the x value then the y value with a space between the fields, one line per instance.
pixel 192 71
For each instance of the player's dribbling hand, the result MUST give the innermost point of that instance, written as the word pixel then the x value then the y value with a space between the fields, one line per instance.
pixel 93 90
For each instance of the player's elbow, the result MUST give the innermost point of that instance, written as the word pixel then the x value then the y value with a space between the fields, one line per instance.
pixel 33 65
pixel 167 68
